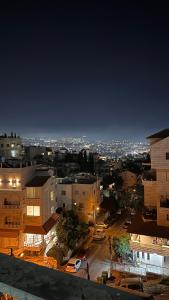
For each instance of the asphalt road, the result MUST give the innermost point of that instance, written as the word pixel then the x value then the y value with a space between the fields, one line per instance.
pixel 99 252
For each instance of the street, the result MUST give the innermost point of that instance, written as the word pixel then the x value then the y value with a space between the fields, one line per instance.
pixel 99 252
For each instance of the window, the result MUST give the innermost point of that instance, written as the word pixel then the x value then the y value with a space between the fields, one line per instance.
pixel 167 217
pixel 143 255
pixel 30 192
pixel 63 193
pixel 84 193
pixel 33 211
pixel 7 145
pixel 52 195
pixel 138 254
pixel 2 145
pixel 167 155
pixel 148 256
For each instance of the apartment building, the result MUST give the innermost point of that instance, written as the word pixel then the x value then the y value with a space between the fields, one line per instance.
pixel 27 206
pixel 10 146
pixel 150 231
pixel 81 193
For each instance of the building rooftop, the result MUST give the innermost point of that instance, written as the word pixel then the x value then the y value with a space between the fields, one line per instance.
pixel 161 134
pixel 81 178
pixel 148 228
pixel 37 181
pixel 25 280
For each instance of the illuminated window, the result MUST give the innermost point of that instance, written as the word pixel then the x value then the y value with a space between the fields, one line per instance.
pixel 52 195
pixel 33 211
pixel 30 192
pixel 13 153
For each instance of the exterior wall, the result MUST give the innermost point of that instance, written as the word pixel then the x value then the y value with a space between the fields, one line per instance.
pixel 48 196
pixel 158 154
pixel 151 258
pixel 64 196
pixel 14 199
pixel 150 194
pixel 10 147
pixel 86 198
pixel 83 198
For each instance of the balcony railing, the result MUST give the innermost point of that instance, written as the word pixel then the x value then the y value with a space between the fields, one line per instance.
pixel 149 175
pixel 161 249
pixel 12 224
pixel 10 206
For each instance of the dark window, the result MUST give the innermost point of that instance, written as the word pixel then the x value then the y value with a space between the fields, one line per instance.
pixel 2 145
pixel 143 255
pixel 167 217
pixel 63 192
pixel 167 155
pixel 138 254
pixel 148 256
pixel 7 145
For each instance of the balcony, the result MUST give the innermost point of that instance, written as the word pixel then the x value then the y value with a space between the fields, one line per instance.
pixel 10 206
pixel 164 203
pixel 12 224
pixel 149 175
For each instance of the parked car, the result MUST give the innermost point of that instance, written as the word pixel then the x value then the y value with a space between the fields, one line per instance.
pixel 99 234
pixel 73 265
pixel 134 283
pixel 102 225
pixel 82 254
pixel 128 221
pixel 125 225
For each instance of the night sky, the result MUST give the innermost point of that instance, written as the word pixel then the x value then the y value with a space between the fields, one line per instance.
pixel 97 68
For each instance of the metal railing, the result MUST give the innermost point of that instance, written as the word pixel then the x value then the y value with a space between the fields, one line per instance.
pixel 10 206
pixel 140 269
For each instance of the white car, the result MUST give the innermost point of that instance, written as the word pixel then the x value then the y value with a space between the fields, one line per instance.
pixel 73 265
pixel 118 212
pixel 102 225
pixel 99 234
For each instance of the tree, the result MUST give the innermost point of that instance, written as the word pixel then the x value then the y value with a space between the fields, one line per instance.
pixel 121 246
pixel 69 230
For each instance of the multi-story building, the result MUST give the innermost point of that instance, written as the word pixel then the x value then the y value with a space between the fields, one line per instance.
pixel 81 193
pixel 150 231
pixel 10 146
pixel 27 206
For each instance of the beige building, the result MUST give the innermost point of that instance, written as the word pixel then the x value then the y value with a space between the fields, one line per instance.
pixel 10 146
pixel 80 193
pixel 27 207
pixel 150 232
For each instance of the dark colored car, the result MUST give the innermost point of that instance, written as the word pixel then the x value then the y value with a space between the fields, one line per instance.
pixel 82 254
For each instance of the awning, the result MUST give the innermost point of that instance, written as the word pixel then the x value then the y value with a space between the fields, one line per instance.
pixel 45 228
pixel 8 233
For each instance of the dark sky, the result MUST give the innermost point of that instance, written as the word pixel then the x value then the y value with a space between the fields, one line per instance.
pixel 97 68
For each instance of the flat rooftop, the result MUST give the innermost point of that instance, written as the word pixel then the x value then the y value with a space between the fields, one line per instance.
pixel 148 228
pixel 81 178
pixel 37 181
pixel 24 280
